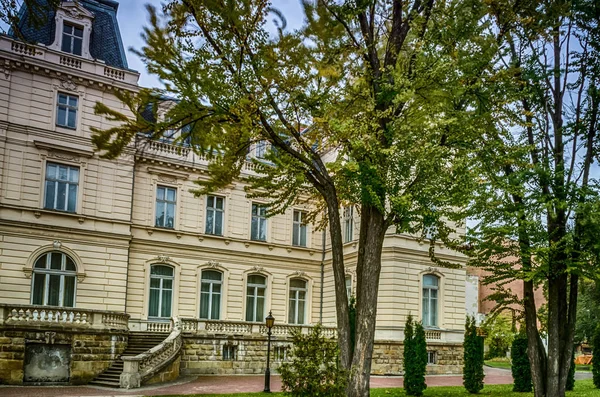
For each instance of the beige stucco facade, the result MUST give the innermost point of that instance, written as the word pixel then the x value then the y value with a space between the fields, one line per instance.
pixel 112 237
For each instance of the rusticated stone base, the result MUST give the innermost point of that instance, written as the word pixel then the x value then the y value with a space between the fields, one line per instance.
pixel 388 358
pixel 168 374
pixel 204 354
pixel 91 352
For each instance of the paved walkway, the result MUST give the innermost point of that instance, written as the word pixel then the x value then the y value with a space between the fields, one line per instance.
pixel 226 384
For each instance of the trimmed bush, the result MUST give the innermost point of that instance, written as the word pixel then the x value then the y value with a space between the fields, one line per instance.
pixel 521 369
pixel 314 369
pixel 596 359
pixel 571 375
pixel 473 357
pixel 415 358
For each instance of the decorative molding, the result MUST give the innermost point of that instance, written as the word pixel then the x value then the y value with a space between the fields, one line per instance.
pixel 49 337
pixel 299 273
pixel 64 152
pixel 213 264
pixel 162 258
pixel 172 175
pixel 257 268
pixel 56 244
pixel 167 179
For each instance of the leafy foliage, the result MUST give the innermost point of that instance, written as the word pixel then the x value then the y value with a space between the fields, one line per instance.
pixel 521 370
pixel 588 310
pixel 314 369
pixel 499 335
pixel 473 358
pixel 415 358
pixel 595 360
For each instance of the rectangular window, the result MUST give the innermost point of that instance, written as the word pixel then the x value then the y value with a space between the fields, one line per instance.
pixel 349 286
pixel 431 357
pixel 299 229
pixel 62 182
pixel 214 215
pixel 229 352
pixel 166 199
pixel 348 224
pixel 261 149
pixel 66 110
pixel 280 353
pixel 258 228
pixel 72 39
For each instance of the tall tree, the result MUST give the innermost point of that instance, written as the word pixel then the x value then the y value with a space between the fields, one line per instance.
pixel 537 204
pixel 392 92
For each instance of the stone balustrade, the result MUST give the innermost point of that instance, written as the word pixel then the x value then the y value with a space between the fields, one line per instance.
pixel 433 335
pixel 42 53
pixel 137 369
pixel 63 317
pixel 194 326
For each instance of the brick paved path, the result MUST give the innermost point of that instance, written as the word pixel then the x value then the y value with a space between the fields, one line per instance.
pixel 226 384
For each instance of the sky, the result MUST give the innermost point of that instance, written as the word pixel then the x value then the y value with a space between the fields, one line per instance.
pixel 133 16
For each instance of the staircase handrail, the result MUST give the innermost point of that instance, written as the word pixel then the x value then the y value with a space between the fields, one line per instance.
pixel 139 368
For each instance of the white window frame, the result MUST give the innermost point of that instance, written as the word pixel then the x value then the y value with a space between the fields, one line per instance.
pixel 427 300
pixel 211 294
pixel 431 357
pixel 294 296
pixel 72 36
pixel 47 272
pixel 215 211
pixel 348 218
pixel 229 352
pixel 68 109
pixel 299 228
pixel 349 288
pixel 164 202
pixel 261 220
pixel 255 297
pixel 57 181
pixel 161 289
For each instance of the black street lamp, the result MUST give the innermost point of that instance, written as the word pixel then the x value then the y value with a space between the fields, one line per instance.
pixel 270 320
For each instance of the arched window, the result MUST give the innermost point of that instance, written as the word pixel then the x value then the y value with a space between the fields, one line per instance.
pixel 161 291
pixel 431 285
pixel 255 297
pixel 210 294
pixel 54 278
pixel 297 304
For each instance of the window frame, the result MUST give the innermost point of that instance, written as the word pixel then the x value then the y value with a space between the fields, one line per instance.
pixel 68 108
pixel 349 285
pixel 348 220
pixel 211 294
pixel 426 300
pixel 160 289
pixel 293 296
pixel 255 297
pixel 165 203
pixel 216 211
pixel 432 357
pixel 72 37
pixel 58 181
pixel 302 228
pixel 232 352
pixel 47 272
pixel 261 220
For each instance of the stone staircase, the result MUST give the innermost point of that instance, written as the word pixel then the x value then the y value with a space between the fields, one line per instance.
pixel 138 343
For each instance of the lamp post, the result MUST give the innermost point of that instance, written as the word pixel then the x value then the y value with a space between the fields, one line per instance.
pixel 269 321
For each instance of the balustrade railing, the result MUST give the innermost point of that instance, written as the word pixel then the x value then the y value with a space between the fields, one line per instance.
pixel 40 316
pixel 194 325
pixel 433 335
pixel 137 369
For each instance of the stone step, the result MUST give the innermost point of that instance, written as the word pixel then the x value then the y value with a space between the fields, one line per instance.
pixel 114 385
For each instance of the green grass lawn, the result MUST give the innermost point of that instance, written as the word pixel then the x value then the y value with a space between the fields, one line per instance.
pixel 583 388
pixel 498 364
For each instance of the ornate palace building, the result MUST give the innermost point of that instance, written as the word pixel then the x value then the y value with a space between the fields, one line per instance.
pixel 112 272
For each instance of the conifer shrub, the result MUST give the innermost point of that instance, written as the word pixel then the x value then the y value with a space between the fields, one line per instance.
pixel 415 358
pixel 314 369
pixel 521 370
pixel 473 358
pixel 596 358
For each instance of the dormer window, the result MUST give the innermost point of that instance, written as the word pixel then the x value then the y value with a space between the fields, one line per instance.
pixel 72 39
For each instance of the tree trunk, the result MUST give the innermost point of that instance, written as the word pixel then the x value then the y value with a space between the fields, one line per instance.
pixel 339 276
pixel 368 269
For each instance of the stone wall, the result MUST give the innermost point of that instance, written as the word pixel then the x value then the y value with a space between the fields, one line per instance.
pixel 91 352
pixel 167 374
pixel 388 358
pixel 203 355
